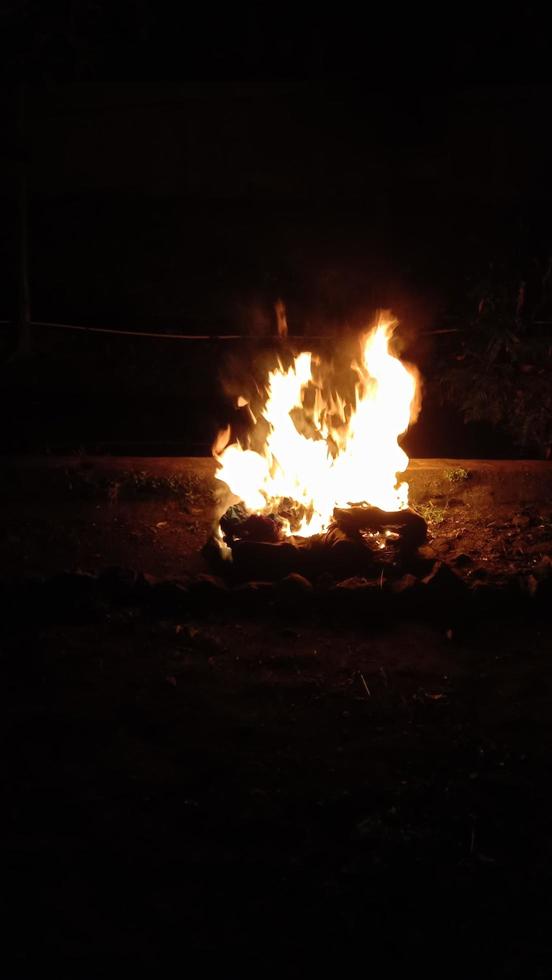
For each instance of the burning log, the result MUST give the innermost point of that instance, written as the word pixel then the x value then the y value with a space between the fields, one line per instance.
pixel 337 552
pixel 321 553
pixel 268 560
pixel 360 540
pixel 407 524
pixel 333 551
pixel 238 523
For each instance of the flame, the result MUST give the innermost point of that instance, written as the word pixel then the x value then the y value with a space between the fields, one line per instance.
pixel 349 452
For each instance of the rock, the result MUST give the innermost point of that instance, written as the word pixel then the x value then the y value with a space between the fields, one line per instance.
pixel 480 573
pixel 443 583
pixel 521 520
pixel 543 574
pixel 355 584
pixel 256 587
pixel 289 633
pixel 325 581
pixel 117 583
pixel 423 561
pixel 294 585
pixel 543 547
pixel 216 555
pixel 489 598
pixel 199 640
pixel 25 599
pixel 356 595
pixel 461 560
pixel 144 585
pixel 479 587
pixel 427 552
pixel 406 585
pixel 208 586
pixel 169 597
pixel 543 569
pixel 529 585
pixel 69 596
pixel 251 595
pixel 72 586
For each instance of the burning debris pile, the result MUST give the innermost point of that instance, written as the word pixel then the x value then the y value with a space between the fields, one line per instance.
pixel 359 540
pixel 321 492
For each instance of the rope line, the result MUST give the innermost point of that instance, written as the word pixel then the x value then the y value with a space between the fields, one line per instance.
pixel 203 337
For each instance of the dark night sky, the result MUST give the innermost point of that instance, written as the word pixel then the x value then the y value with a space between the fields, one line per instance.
pixel 379 45
pixel 409 142
pixel 193 175
pixel 185 171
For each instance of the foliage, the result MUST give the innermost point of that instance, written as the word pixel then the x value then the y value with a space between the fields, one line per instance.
pixel 432 513
pixel 503 371
pixel 457 475
pixel 188 488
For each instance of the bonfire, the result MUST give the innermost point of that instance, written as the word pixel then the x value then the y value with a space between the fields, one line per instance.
pixel 328 477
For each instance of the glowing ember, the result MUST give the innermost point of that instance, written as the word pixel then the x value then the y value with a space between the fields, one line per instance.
pixel 347 453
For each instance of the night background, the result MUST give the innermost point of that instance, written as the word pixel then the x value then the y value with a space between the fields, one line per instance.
pixel 168 177
pixel 341 171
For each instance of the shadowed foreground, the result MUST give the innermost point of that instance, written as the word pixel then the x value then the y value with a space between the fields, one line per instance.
pixel 220 784
pixel 240 781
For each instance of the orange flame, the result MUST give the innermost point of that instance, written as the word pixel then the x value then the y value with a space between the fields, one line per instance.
pixel 350 454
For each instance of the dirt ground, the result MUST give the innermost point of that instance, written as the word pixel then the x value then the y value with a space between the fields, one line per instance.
pixel 250 787
pixel 163 536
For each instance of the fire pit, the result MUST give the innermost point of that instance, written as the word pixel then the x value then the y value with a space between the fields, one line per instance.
pixel 360 540
pixel 322 493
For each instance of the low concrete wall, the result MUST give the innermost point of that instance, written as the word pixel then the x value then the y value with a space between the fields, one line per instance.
pixel 478 484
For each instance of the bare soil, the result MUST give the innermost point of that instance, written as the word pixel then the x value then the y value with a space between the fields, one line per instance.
pixel 248 787
pixel 164 536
